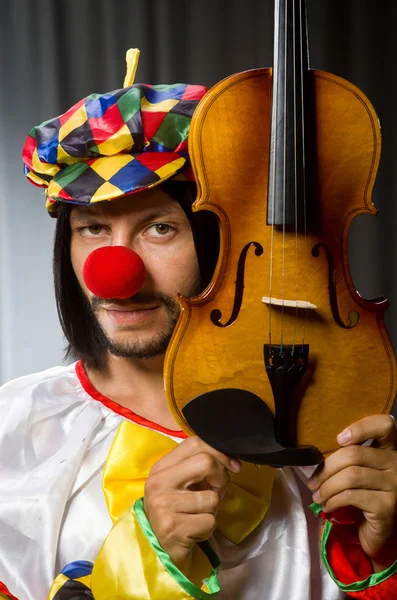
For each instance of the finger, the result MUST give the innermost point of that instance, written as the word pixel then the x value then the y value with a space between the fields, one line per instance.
pixel 185 528
pixel 194 469
pixel 382 428
pixel 194 445
pixel 377 508
pixel 360 456
pixel 376 505
pixel 188 502
pixel 355 477
pixel 178 533
pixel 200 527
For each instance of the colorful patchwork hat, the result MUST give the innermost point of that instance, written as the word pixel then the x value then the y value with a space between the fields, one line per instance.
pixel 110 145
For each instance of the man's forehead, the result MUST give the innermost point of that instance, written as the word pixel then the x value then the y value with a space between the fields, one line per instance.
pixel 146 205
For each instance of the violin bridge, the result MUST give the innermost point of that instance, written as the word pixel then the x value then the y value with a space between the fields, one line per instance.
pixel 289 303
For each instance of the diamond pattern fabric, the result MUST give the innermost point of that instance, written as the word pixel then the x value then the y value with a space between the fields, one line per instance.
pixel 110 145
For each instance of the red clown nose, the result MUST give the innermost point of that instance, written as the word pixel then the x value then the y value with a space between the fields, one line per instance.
pixel 114 272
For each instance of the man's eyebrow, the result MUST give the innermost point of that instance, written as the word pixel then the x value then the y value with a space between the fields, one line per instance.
pixel 76 217
pixel 160 212
pixel 80 216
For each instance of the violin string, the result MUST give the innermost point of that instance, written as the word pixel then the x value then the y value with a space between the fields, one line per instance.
pixel 284 173
pixel 302 141
pixel 295 185
pixel 273 160
pixel 304 78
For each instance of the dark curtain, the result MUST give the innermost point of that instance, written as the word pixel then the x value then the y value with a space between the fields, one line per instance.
pixel 55 52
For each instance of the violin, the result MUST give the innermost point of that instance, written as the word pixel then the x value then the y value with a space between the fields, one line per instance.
pixel 280 352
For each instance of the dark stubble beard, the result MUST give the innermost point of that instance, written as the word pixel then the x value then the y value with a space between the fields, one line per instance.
pixel 138 348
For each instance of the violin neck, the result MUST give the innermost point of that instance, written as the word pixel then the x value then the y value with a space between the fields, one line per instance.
pixel 286 194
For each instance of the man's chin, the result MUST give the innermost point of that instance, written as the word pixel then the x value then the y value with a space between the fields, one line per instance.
pixel 142 349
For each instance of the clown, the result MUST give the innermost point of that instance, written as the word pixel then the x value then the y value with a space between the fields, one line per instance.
pixel 102 496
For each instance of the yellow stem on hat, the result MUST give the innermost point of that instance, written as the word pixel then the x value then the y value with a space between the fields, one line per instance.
pixel 132 58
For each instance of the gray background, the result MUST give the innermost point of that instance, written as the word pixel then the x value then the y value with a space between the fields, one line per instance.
pixel 54 52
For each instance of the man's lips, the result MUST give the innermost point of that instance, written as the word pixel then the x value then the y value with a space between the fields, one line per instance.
pixel 127 308
pixel 128 315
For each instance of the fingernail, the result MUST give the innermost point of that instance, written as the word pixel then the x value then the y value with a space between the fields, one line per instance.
pixel 344 437
pixel 235 464
pixel 312 483
pixel 316 496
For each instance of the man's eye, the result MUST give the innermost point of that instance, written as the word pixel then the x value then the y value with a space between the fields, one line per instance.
pixel 162 228
pixel 93 229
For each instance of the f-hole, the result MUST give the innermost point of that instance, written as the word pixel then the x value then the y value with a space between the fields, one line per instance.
pixel 216 314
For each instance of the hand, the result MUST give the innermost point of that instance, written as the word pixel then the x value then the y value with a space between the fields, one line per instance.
pixel 182 495
pixel 363 477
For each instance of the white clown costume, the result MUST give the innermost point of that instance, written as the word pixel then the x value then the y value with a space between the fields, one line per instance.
pixel 56 435
pixel 57 440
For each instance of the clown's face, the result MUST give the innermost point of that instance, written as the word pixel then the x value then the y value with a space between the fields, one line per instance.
pixel 155 226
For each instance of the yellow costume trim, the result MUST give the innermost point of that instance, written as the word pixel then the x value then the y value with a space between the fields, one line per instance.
pixel 128 568
pixel 131 564
pixel 136 449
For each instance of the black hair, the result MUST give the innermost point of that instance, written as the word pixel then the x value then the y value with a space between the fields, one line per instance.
pixel 204 226
pixel 85 339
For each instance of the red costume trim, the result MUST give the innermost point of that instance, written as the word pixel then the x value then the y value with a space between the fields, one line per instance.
pixel 4 590
pixel 348 564
pixel 117 408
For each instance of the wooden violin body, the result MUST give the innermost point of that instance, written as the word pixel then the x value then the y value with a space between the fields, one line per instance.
pixel 303 273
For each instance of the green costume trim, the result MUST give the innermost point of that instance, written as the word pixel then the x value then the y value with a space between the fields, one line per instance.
pixel 357 586
pixel 212 582
pixel 316 508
